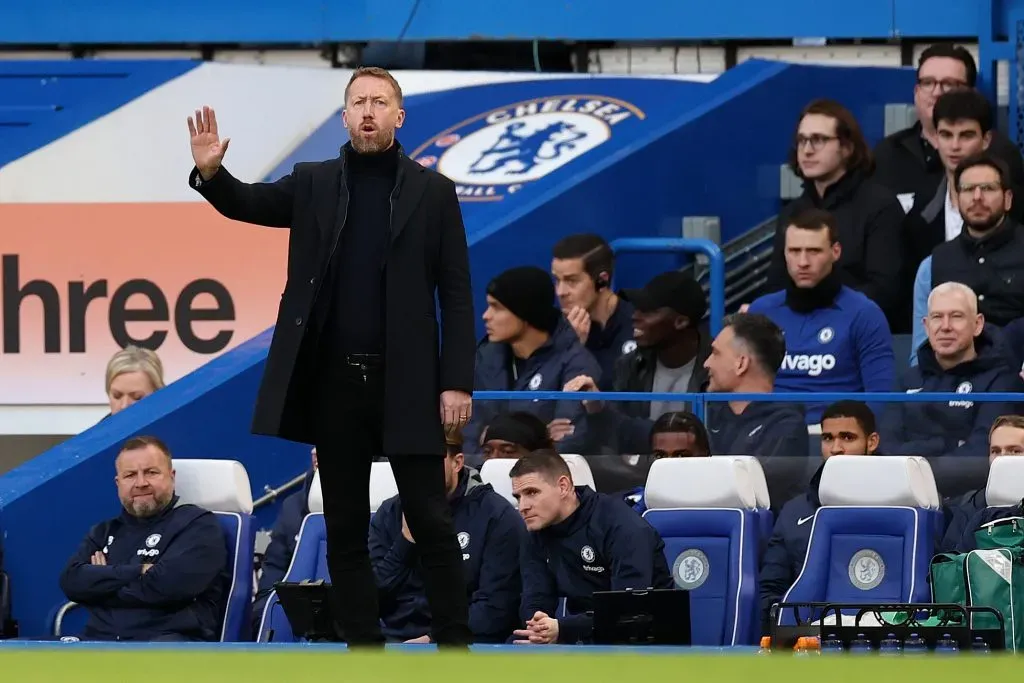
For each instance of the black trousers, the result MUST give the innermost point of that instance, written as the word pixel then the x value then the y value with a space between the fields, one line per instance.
pixel 349 418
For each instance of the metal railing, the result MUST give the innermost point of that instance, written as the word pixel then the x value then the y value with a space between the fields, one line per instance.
pixel 271 494
pixel 746 260
pixel 699 401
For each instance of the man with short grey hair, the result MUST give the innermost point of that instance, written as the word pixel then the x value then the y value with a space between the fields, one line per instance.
pixel 961 356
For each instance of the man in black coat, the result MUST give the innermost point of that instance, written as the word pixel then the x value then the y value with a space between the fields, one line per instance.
pixel 356 366
pixel 832 157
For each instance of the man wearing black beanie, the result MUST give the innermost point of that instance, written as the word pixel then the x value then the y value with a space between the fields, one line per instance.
pixel 529 347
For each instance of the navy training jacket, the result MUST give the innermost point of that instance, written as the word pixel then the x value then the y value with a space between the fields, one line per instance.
pixel 959 513
pixel 561 359
pixel 490 534
pixel 610 342
pixel 604 545
pixel 774 433
pixel 185 592
pixel 957 428
pixel 968 541
pixel 787 548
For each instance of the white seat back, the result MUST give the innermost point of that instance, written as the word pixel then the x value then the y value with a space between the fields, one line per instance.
pixel 862 480
pixel 700 483
pixel 757 478
pixel 216 485
pixel 495 472
pixel 580 470
pixel 382 487
pixel 382 484
pixel 1005 481
pixel 316 494
pixel 935 502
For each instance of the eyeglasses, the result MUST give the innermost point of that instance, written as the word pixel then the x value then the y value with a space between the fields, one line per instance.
pixel 945 84
pixel 816 141
pixel 986 188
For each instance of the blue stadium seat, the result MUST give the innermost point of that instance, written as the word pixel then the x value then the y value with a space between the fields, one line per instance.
pixel 874 536
pixel 309 563
pixel 706 511
pixel 221 486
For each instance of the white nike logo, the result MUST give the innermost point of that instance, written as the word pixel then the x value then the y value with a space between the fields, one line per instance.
pixel 801 522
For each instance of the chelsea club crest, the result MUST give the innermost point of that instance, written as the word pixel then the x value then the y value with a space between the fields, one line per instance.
pixel 498 152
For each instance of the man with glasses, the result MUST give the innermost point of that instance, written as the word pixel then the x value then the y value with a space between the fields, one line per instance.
pixel 908 162
pixel 988 255
pixel 831 155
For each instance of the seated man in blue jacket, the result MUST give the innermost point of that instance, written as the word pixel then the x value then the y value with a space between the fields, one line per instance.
pixel 744 358
pixel 847 428
pixel 962 512
pixel 837 339
pixel 962 355
pixel 580 542
pixel 529 347
pixel 490 534
pixel 157 572
pixel 283 537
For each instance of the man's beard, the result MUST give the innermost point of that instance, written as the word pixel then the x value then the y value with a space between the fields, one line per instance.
pixel 986 226
pixel 378 142
pixel 146 507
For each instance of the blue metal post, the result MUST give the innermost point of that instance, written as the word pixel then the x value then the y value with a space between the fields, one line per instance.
pixel 715 260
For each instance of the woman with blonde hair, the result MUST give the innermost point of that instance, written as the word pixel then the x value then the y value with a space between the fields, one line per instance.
pixel 133 373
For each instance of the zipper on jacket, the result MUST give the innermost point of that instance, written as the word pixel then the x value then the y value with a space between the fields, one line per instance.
pixel 330 255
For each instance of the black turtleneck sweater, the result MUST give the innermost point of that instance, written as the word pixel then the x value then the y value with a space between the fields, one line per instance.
pixel 356 321
pixel 870 222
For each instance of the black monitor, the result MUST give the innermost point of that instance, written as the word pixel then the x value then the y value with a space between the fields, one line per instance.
pixel 642 617
pixel 309 610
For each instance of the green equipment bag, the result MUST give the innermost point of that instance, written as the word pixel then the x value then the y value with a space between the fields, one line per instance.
pixel 991 576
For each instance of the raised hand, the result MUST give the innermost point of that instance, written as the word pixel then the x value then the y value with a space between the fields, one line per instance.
pixel 580 321
pixel 207 148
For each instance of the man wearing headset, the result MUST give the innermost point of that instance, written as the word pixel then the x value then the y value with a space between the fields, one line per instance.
pixel 582 266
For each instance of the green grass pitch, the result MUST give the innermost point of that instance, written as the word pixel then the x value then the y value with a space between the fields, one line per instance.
pixel 155 666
